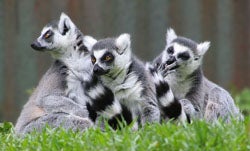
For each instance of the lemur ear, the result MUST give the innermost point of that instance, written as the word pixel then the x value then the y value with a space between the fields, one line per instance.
pixel 170 36
pixel 89 42
pixel 65 24
pixel 203 47
pixel 122 43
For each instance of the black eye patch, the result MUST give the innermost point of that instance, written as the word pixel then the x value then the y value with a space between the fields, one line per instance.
pixel 107 57
pixel 184 56
pixel 170 50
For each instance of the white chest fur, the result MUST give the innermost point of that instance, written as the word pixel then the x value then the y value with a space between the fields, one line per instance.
pixel 129 91
pixel 78 72
pixel 179 87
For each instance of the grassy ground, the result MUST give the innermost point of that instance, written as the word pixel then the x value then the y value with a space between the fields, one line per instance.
pixel 196 136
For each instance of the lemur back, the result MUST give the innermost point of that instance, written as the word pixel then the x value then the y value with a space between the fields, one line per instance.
pixel 48 105
pixel 187 81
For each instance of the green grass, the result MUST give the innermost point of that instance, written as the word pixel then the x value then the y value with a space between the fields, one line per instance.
pixel 242 98
pixel 196 136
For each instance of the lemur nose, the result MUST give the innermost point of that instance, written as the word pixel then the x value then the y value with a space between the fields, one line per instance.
pixel 96 68
pixel 171 60
pixel 37 46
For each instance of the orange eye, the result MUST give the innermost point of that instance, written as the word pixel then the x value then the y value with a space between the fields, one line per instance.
pixel 107 58
pixel 93 60
pixel 47 35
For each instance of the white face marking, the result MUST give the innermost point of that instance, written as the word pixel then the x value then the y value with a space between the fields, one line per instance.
pixel 60 43
pixel 98 54
pixel 179 48
pixel 45 29
pixel 41 40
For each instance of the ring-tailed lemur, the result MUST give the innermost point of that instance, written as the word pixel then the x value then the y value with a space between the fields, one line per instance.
pixel 49 104
pixel 72 48
pixel 187 81
pixel 126 76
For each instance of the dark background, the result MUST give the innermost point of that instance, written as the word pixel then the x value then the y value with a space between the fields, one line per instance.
pixel 226 23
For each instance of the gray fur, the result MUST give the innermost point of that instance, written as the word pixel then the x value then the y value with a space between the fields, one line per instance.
pixel 188 82
pixel 186 42
pixel 49 105
pixel 150 108
pixel 53 24
pixel 105 44
pixel 59 98
pixel 128 79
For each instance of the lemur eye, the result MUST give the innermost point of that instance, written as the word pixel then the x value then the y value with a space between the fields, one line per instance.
pixel 170 50
pixel 47 34
pixel 107 58
pixel 93 59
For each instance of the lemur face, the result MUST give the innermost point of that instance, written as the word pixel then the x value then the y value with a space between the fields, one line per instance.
pixel 110 54
pixel 179 55
pixel 103 61
pixel 182 54
pixel 57 35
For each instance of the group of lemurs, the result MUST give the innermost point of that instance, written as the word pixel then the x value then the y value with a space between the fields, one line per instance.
pixel 92 81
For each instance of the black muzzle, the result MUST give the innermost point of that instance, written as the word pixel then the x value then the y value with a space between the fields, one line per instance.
pixel 37 46
pixel 97 70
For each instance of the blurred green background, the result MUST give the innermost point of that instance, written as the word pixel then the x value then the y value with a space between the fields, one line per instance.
pixel 226 23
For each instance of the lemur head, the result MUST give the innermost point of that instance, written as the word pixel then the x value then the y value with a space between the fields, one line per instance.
pixel 182 54
pixel 58 36
pixel 111 54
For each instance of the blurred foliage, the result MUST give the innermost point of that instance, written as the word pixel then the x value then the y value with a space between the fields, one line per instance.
pixel 242 99
pixel 6 127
